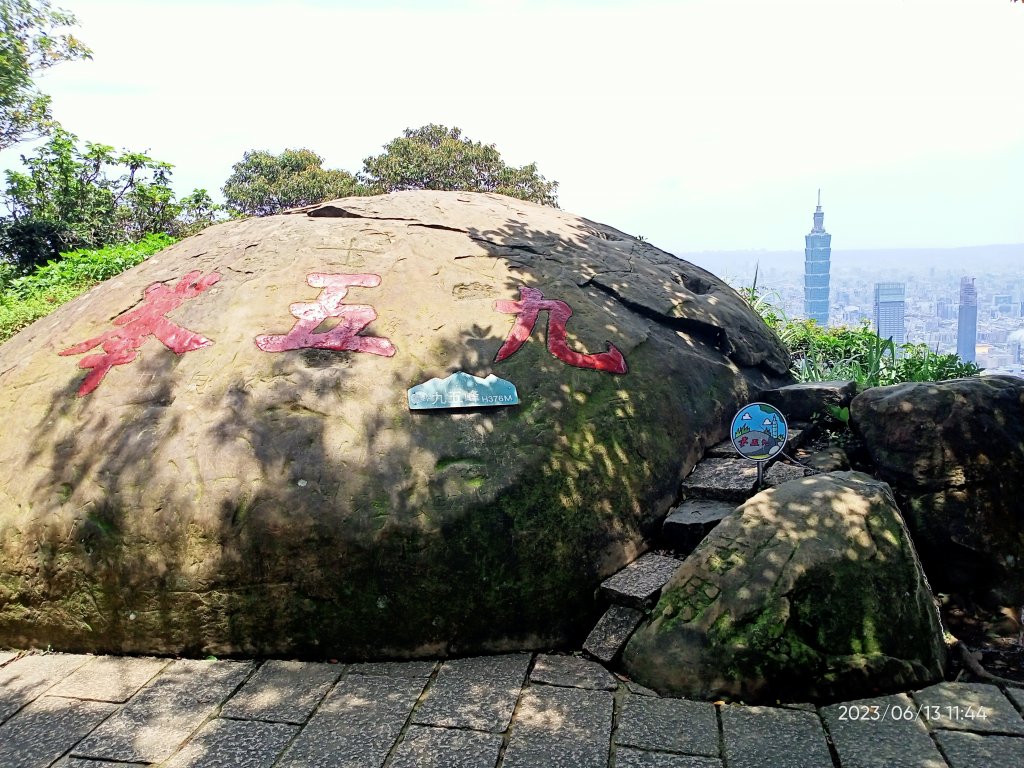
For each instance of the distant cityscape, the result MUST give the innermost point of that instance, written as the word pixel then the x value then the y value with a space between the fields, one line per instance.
pixel 964 300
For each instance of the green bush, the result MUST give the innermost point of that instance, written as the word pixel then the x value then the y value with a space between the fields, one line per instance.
pixel 24 300
pixel 858 353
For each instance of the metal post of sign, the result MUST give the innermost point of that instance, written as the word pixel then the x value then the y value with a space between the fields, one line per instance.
pixel 760 475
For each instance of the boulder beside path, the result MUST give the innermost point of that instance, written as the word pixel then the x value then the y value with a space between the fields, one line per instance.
pixel 214 452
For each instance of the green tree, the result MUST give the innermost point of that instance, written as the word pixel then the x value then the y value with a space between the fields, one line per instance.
pixel 30 43
pixel 262 184
pixel 70 197
pixel 437 157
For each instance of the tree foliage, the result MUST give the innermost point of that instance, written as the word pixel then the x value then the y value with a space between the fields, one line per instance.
pixel 29 43
pixel 437 157
pixel 262 184
pixel 70 197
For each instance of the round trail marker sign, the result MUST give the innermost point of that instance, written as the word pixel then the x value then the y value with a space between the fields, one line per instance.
pixel 759 431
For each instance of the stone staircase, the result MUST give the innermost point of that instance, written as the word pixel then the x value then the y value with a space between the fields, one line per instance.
pixel 719 483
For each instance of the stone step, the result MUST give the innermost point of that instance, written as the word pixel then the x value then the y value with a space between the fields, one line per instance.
pixel 688 524
pixel 723 479
pixel 725 449
pixel 639 584
pixel 780 473
pixel 606 641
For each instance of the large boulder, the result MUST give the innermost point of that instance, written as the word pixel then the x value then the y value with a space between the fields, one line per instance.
pixel 214 452
pixel 810 590
pixel 953 452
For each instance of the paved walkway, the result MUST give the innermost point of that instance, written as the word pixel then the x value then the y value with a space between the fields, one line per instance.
pixel 514 711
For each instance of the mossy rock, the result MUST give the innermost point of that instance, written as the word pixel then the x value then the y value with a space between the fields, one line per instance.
pixel 810 591
pixel 226 497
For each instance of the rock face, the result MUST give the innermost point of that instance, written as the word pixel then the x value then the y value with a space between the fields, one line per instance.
pixel 807 401
pixel 214 452
pixel 811 590
pixel 954 455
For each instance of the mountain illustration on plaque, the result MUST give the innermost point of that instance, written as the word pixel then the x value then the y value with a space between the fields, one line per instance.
pixel 462 390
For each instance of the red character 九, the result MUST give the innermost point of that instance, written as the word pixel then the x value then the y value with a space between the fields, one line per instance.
pixel 531 303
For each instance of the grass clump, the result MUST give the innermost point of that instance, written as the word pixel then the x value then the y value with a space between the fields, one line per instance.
pixel 26 298
pixel 857 353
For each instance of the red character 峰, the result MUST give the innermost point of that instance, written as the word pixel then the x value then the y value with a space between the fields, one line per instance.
pixel 344 336
pixel 121 346
pixel 531 303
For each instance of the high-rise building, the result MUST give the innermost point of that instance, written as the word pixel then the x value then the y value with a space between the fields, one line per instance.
pixel 890 306
pixel 944 308
pixel 967 320
pixel 817 251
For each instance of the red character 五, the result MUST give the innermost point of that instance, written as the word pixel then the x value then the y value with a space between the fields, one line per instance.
pixel 344 336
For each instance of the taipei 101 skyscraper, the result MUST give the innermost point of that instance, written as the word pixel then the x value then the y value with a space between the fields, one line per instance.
pixel 817 252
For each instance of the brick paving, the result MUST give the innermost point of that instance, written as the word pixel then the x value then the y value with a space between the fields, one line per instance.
pixel 507 711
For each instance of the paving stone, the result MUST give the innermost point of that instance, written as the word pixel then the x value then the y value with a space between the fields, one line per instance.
pixel 639 583
pixel 724 479
pixel 640 690
pixel 357 724
pixel 779 473
pixel 24 679
pixel 46 729
pixel 627 757
pixel 84 762
pixel 688 524
pixel 572 672
pixel 478 693
pixel 669 725
pixel 560 728
pixel 427 747
pixel 878 739
pixel 722 450
pixel 411 669
pixel 803 707
pixel 1017 697
pixel 155 722
pixel 109 678
pixel 977 707
pixel 613 630
pixel 234 744
pixel 283 691
pixel 781 738
pixel 972 750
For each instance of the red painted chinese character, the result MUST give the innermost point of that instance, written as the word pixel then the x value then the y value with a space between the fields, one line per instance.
pixel 531 303
pixel 743 441
pixel 121 346
pixel 344 336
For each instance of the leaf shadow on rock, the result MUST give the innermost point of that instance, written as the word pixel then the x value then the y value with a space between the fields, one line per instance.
pixel 299 525
pixel 810 591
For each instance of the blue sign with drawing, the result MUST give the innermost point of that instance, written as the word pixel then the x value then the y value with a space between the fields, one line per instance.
pixel 759 431
pixel 463 390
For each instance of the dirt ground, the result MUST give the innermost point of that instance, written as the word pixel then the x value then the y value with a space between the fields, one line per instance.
pixel 992 633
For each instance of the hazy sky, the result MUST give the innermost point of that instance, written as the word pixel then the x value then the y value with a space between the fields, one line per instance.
pixel 699 124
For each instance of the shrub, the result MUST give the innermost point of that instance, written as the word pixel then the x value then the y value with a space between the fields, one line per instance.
pixel 858 353
pixel 24 300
